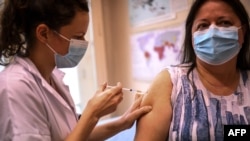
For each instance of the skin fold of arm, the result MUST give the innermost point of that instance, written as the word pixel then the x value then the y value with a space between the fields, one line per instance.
pixel 154 126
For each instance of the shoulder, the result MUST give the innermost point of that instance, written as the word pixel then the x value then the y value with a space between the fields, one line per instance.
pixel 160 88
pixel 18 86
pixel 21 71
pixel 165 81
pixel 15 78
pixel 178 70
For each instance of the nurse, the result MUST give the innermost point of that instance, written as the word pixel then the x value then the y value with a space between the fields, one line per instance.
pixel 37 37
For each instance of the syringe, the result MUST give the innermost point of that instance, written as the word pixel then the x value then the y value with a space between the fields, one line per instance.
pixel 127 89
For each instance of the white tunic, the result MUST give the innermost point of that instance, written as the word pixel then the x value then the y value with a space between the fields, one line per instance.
pixel 30 109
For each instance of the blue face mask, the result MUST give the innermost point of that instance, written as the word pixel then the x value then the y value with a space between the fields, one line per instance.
pixel 77 49
pixel 216 45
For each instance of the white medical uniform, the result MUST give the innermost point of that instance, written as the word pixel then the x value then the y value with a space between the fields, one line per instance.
pixel 30 109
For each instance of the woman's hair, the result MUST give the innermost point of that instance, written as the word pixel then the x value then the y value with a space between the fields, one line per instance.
pixel 20 18
pixel 243 61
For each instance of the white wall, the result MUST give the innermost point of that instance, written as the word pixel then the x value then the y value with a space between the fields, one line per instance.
pixel 1 68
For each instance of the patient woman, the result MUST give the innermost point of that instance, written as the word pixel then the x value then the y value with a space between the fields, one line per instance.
pixel 210 88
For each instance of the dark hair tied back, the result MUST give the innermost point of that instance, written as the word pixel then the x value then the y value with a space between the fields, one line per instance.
pixel 20 18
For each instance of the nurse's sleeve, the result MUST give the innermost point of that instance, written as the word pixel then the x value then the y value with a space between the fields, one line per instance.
pixel 22 113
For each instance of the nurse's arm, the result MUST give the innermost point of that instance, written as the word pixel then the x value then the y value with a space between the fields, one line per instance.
pixel 85 125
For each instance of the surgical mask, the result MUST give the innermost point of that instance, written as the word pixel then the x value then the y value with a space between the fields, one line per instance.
pixel 216 45
pixel 77 49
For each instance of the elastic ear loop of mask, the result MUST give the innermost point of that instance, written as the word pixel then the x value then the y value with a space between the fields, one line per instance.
pixel 51 48
pixel 62 36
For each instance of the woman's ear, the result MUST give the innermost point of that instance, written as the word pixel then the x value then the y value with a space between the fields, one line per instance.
pixel 244 29
pixel 242 33
pixel 42 33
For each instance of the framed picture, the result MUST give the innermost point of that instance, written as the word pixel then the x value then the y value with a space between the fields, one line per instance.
pixel 144 12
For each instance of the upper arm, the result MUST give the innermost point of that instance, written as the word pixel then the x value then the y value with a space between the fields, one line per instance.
pixel 155 125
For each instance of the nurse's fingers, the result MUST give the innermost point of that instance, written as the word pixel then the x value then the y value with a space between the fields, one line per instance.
pixel 102 87
pixel 112 89
pixel 138 95
pixel 118 88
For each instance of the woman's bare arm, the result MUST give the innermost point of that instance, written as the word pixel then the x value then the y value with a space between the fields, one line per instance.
pixel 154 126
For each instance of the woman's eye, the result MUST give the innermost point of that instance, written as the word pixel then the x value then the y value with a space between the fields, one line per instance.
pixel 201 27
pixel 225 23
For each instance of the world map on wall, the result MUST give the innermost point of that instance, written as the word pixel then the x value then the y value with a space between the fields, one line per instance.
pixel 154 50
pixel 161 42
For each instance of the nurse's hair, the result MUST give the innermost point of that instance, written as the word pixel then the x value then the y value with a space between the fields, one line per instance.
pixel 19 19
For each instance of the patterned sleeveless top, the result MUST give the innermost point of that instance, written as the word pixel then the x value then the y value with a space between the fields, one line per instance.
pixel 199 115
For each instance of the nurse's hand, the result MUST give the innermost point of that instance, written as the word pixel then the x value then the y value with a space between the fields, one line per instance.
pixel 133 113
pixel 105 101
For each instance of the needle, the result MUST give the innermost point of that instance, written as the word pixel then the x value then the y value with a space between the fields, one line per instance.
pixel 127 89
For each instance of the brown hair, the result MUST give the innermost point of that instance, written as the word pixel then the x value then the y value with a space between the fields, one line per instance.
pixel 20 17
pixel 189 56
